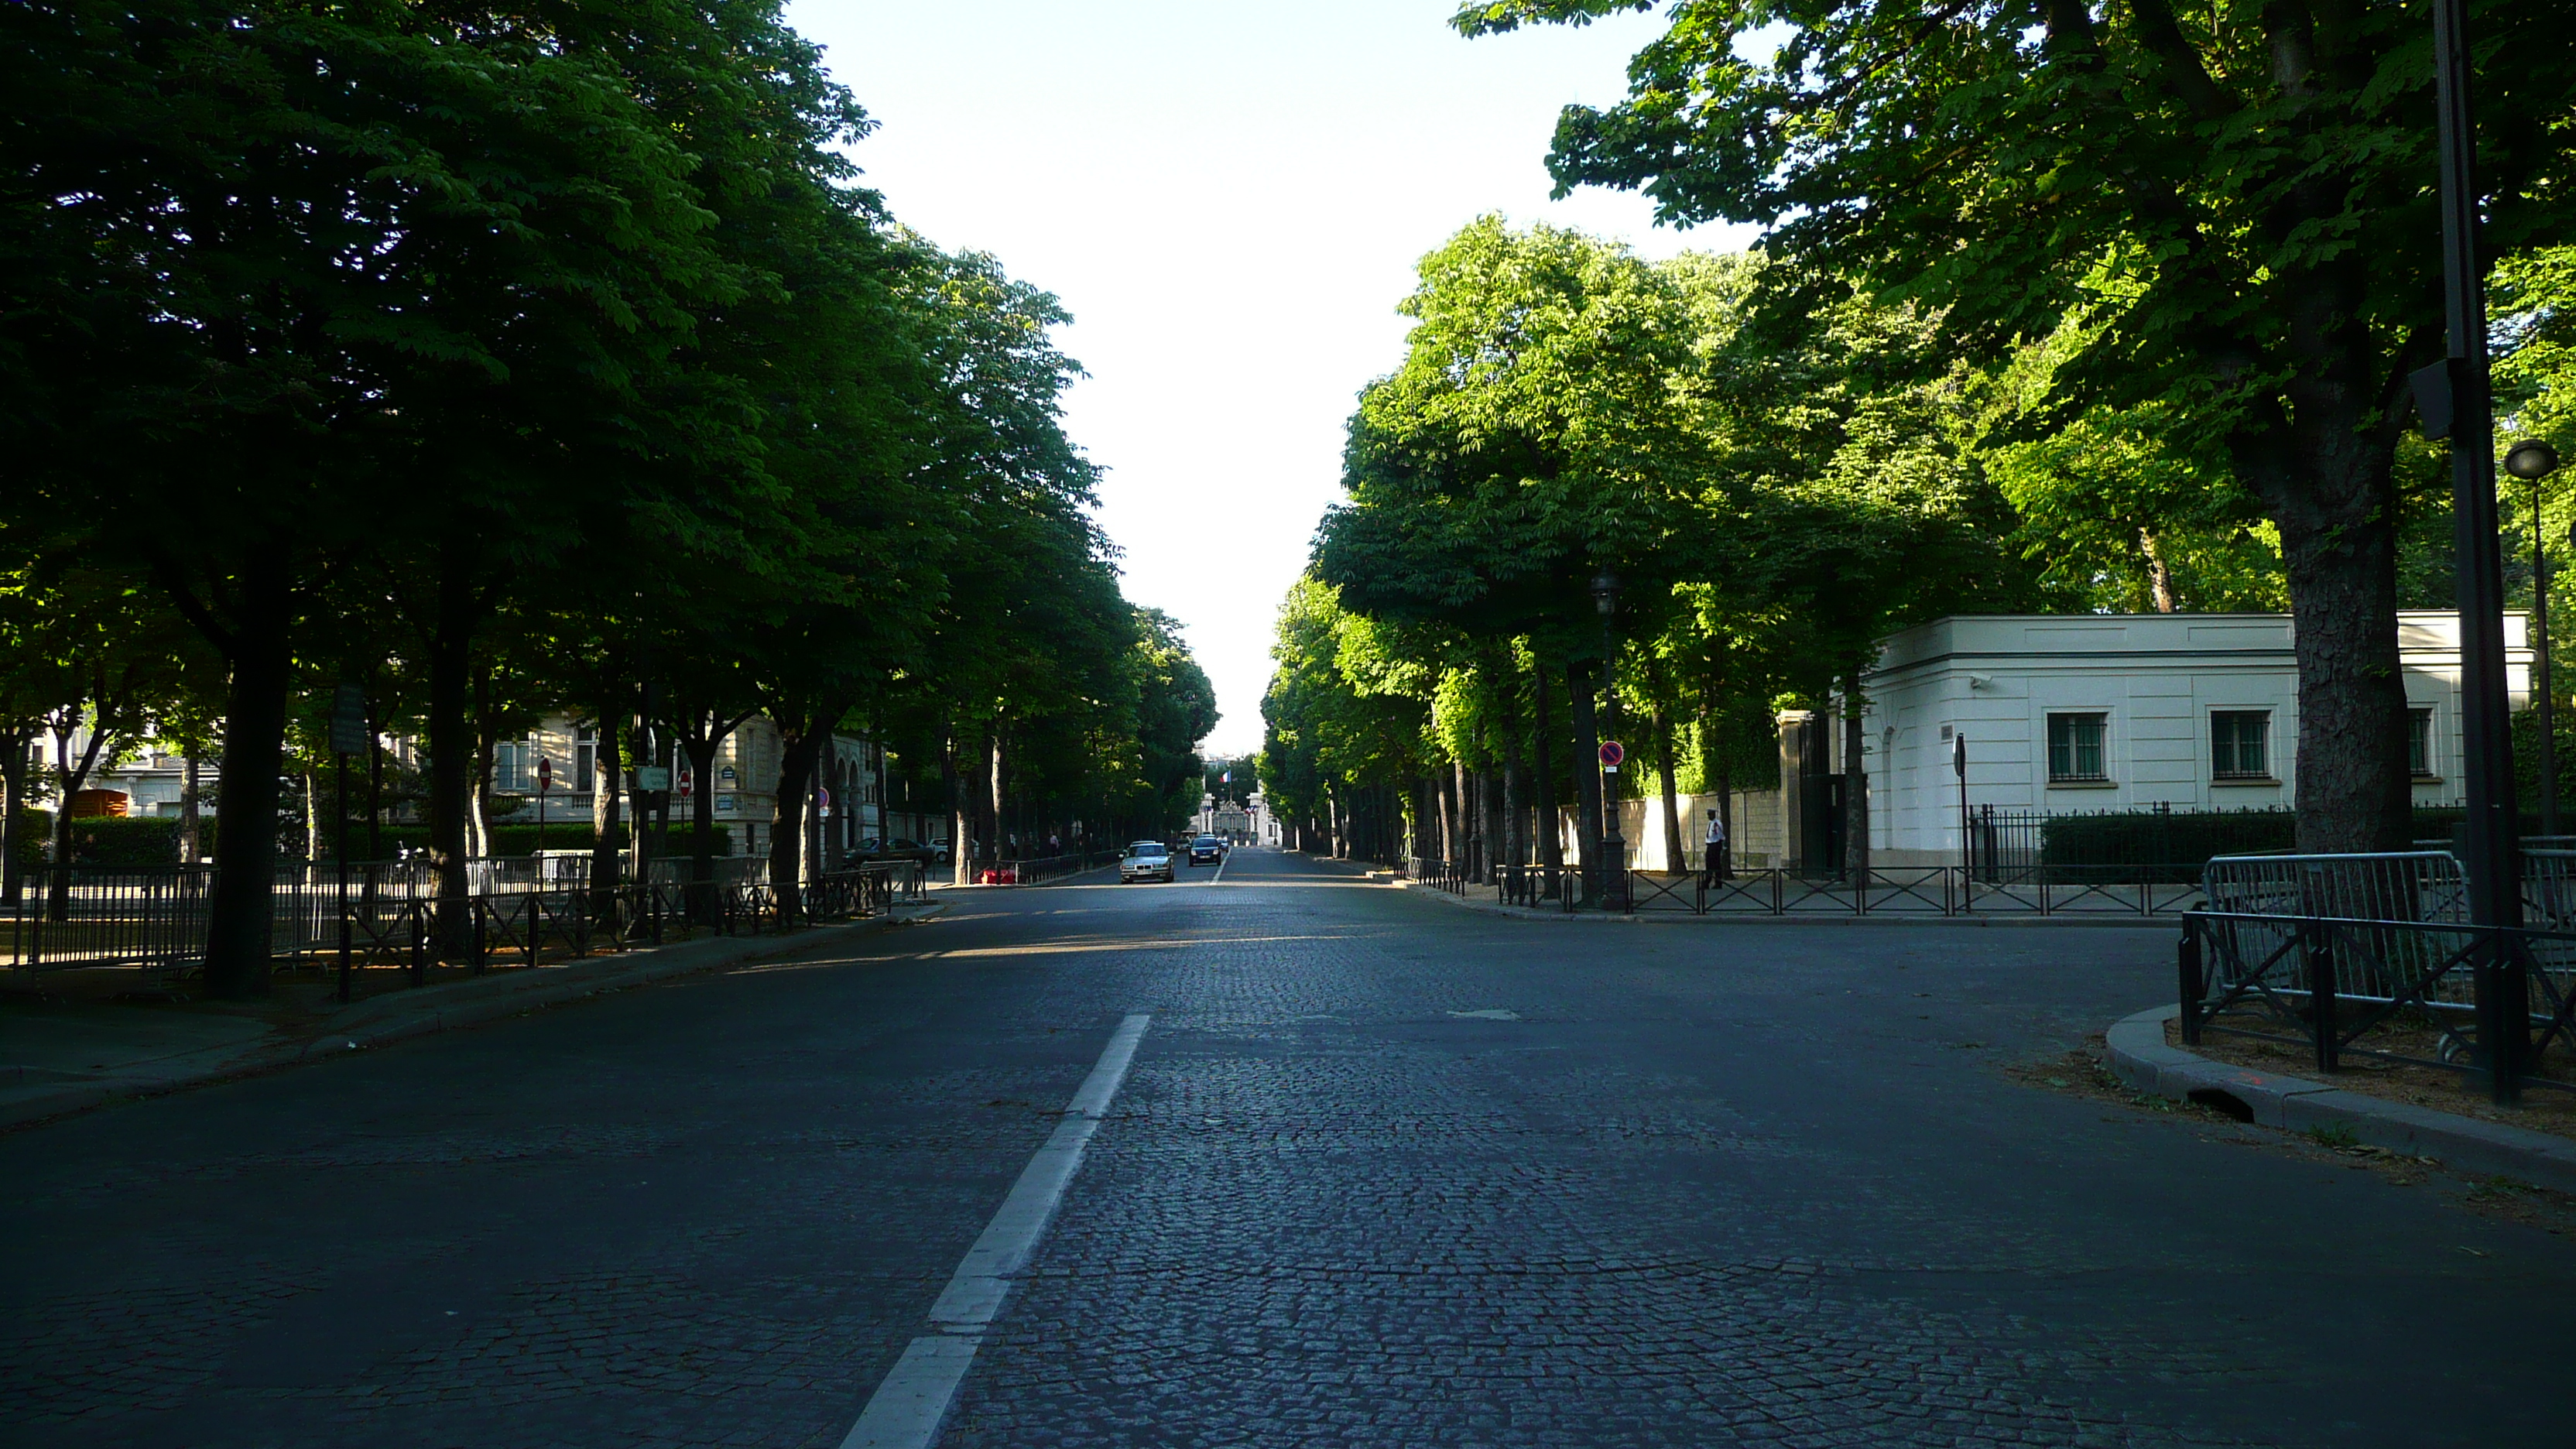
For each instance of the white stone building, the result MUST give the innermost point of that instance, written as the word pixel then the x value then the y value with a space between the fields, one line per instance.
pixel 2118 712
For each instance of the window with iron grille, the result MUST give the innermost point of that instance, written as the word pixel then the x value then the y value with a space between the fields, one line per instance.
pixel 2419 743
pixel 2075 748
pixel 2240 744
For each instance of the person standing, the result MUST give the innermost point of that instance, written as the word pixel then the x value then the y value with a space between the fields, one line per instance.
pixel 1714 865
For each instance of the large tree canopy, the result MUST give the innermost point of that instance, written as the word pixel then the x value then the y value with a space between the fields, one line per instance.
pixel 2236 203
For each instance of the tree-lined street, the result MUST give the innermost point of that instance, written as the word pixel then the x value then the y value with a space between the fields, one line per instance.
pixel 1384 1171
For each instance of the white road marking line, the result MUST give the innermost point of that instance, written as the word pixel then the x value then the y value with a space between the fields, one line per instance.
pixel 1222 862
pixel 907 1410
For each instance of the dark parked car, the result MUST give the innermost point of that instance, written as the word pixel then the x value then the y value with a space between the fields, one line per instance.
pixel 1206 850
pixel 935 853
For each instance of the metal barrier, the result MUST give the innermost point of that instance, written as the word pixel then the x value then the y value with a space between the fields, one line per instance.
pixel 1439 875
pixel 156 917
pixel 1930 891
pixel 1057 867
pixel 2327 982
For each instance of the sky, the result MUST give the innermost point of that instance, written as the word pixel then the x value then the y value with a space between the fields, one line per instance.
pixel 1230 199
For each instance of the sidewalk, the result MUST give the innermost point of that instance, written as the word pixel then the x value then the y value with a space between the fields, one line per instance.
pixel 2141 1057
pixel 61 1057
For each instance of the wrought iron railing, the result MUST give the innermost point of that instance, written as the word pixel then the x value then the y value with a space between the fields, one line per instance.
pixel 156 918
pixel 1921 891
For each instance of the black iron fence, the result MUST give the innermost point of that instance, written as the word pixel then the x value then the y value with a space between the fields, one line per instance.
pixel 1924 891
pixel 155 917
pixel 1057 867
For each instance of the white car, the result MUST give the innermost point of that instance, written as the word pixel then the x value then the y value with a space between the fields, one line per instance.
pixel 1145 860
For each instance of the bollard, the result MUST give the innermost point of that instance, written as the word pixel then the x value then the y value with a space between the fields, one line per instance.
pixel 476 969
pixel 419 947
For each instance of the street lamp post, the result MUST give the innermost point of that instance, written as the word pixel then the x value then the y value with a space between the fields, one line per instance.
pixel 2533 461
pixel 1614 847
pixel 2455 400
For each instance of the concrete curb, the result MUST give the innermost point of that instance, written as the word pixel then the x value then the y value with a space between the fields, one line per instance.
pixel 387 1019
pixel 2140 1058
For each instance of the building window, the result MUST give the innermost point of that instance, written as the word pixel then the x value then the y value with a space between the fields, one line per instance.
pixel 585 757
pixel 2075 747
pixel 2419 743
pixel 2239 744
pixel 514 767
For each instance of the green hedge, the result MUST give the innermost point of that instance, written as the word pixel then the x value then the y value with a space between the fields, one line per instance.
pixel 35 827
pixel 2191 837
pixel 125 840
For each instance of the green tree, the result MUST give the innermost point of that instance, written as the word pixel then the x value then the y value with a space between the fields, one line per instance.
pixel 2240 199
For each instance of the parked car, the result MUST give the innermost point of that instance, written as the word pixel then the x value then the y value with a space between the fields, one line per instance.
pixel 1146 860
pixel 902 849
pixel 1206 850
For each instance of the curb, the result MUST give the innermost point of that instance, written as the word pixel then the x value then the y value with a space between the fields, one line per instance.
pixel 2140 1058
pixel 388 1019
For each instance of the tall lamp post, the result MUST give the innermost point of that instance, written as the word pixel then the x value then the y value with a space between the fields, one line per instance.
pixel 2531 461
pixel 2454 397
pixel 1614 847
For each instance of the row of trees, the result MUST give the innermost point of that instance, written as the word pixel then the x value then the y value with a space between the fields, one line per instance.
pixel 2059 307
pixel 505 361
pixel 1775 478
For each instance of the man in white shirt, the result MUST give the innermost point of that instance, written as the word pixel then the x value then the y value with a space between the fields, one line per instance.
pixel 1714 864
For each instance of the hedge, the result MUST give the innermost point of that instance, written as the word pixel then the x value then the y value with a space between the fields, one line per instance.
pixel 2191 837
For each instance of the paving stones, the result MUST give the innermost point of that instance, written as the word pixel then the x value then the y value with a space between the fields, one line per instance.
pixel 1385 1173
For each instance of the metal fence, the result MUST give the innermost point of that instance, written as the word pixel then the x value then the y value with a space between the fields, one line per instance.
pixel 2401 990
pixel 155 918
pixel 1921 891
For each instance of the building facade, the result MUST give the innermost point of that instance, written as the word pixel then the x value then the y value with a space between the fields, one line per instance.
pixel 2118 712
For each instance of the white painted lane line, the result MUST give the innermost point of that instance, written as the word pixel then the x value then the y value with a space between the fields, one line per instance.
pixel 907 1410
pixel 1222 862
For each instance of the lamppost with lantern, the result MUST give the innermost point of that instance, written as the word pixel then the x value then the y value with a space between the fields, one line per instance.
pixel 2532 460
pixel 1614 847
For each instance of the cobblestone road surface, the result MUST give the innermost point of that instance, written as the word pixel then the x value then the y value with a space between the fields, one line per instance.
pixel 1384 1173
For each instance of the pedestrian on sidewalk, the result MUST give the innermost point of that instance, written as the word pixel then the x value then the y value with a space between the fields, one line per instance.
pixel 1714 865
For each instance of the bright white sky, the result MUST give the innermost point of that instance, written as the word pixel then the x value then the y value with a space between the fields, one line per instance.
pixel 1230 199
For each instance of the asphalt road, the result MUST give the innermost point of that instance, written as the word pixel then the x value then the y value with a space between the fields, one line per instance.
pixel 1384 1172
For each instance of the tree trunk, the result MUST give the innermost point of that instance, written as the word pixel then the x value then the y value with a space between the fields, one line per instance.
pixel 479 842
pixel 238 910
pixel 996 797
pixel 607 778
pixel 1543 811
pixel 2353 792
pixel 375 779
pixel 2322 468
pixel 1674 860
pixel 451 750
pixel 702 824
pixel 2160 584
pixel 13 809
pixel 961 819
pixel 1855 777
pixel 1587 777
pixel 787 819
pixel 312 818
